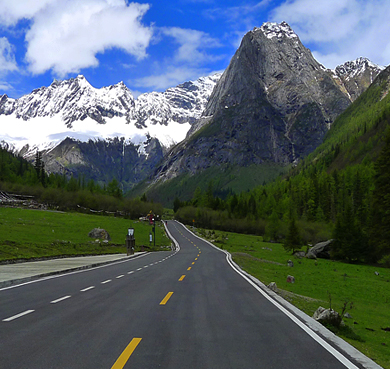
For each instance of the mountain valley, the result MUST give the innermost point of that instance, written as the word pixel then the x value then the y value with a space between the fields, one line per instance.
pixel 270 108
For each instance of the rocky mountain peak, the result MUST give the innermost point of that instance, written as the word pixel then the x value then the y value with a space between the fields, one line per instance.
pixel 271 30
pixel 351 69
pixel 273 104
pixel 355 76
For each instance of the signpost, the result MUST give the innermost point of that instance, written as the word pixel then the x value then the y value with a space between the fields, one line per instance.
pixel 130 241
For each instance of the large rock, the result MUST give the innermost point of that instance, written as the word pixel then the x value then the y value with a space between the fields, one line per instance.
pixel 99 233
pixel 320 250
pixel 328 316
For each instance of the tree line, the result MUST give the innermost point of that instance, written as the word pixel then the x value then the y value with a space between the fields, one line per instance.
pixel 350 205
pixel 19 176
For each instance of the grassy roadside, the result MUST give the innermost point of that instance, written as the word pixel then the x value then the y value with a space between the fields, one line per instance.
pixel 26 234
pixel 316 281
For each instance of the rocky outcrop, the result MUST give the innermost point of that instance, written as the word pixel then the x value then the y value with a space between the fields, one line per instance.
pixel 320 250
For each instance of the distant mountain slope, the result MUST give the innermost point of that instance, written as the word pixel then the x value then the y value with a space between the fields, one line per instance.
pixel 357 134
pixel 70 120
pixel 354 77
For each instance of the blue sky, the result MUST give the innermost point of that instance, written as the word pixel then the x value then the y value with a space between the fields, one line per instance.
pixel 153 45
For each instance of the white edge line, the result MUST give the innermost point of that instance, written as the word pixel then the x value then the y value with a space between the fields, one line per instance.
pixel 18 315
pixel 75 272
pixel 60 299
pixel 308 330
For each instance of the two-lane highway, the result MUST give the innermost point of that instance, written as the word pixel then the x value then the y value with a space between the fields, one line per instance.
pixel 182 309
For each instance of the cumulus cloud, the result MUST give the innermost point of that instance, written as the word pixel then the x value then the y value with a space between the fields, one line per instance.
pixel 65 36
pixel 340 30
pixel 7 57
pixel 12 11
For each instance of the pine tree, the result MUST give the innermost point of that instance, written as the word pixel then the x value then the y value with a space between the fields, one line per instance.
pixel 293 239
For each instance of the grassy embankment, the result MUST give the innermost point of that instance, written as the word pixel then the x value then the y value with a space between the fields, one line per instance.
pixel 26 234
pixel 315 281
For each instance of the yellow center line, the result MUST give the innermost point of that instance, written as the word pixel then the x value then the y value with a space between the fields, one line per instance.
pixel 196 258
pixel 122 359
pixel 182 277
pixel 189 268
pixel 166 298
pixel 193 262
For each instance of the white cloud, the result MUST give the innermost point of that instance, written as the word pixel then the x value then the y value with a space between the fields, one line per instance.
pixel 187 62
pixel 7 57
pixel 12 11
pixel 5 86
pixel 192 44
pixel 340 30
pixel 66 36
pixel 172 77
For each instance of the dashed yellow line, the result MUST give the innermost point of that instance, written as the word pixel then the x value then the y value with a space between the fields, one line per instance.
pixel 189 268
pixel 166 298
pixel 182 277
pixel 125 355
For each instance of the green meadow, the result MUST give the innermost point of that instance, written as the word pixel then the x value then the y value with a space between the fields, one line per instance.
pixel 321 282
pixel 26 234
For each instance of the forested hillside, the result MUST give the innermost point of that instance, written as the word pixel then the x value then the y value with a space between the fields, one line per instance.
pixel 17 176
pixel 340 191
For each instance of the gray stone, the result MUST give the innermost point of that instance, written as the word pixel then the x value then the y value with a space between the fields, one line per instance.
pixel 100 234
pixel 272 286
pixel 290 263
pixel 300 254
pixel 328 316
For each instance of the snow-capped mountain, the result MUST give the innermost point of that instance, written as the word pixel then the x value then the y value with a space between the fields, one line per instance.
pixel 102 133
pixel 74 109
pixel 355 76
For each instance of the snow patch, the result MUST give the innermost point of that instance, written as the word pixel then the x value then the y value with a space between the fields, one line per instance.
pixel 271 30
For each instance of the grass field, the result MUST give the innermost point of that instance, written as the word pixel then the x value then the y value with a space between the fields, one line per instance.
pixel 26 234
pixel 315 282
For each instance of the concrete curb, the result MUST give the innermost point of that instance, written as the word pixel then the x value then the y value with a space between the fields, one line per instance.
pixel 14 282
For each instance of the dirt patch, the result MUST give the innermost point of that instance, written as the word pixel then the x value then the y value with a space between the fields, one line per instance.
pixel 245 255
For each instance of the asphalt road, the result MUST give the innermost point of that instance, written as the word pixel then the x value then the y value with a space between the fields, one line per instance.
pixel 182 309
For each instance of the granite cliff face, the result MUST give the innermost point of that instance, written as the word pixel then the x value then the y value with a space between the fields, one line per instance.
pixel 273 103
